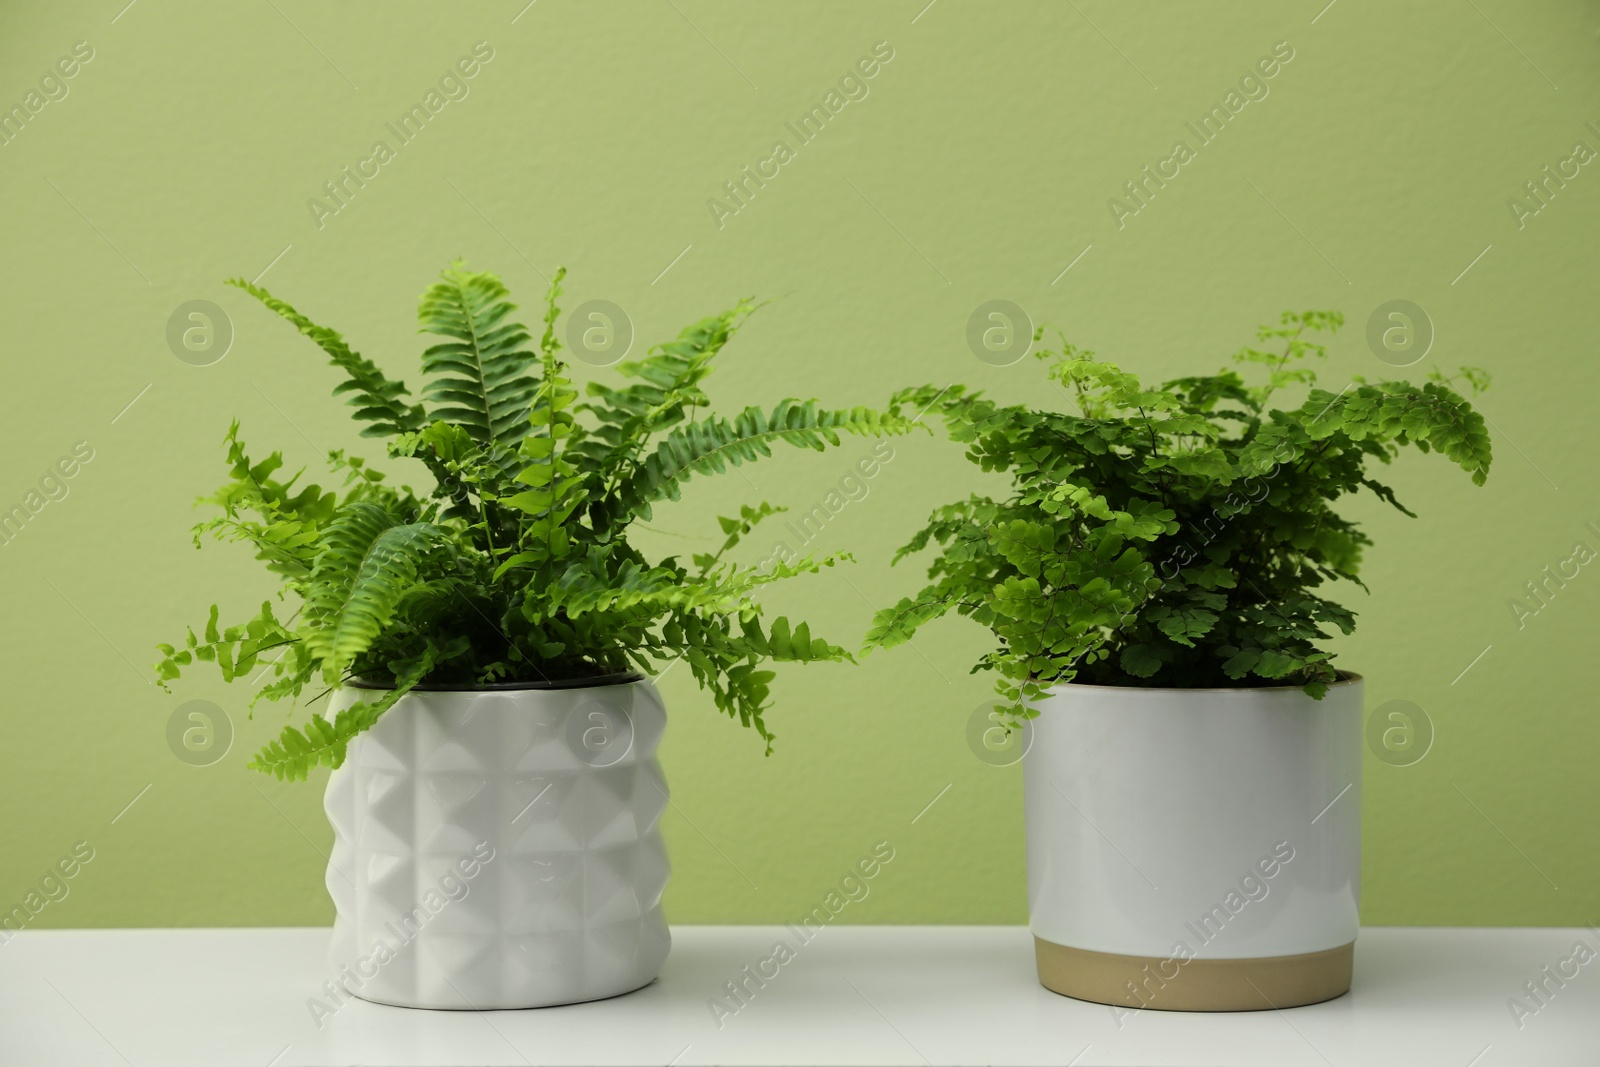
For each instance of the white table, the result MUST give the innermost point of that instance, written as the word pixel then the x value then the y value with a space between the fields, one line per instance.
pixel 865 994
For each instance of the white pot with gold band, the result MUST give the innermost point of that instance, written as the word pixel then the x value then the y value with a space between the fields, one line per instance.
pixel 1195 849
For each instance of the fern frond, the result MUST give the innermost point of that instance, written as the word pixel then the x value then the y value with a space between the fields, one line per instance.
pixel 460 467
pixel 556 488
pixel 287 523
pixel 712 445
pixel 586 587
pixel 668 387
pixel 368 560
pixel 785 645
pixel 324 743
pixel 516 564
pixel 480 378
pixel 736 530
pixel 234 650
pixel 1430 416
pixel 899 624
pixel 379 401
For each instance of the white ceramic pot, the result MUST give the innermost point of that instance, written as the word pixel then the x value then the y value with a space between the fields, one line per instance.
pixel 1195 849
pixel 499 848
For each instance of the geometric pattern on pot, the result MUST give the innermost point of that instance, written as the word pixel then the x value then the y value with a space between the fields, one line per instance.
pixel 500 848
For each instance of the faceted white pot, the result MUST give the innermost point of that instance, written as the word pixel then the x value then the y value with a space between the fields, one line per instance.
pixel 499 848
pixel 1195 849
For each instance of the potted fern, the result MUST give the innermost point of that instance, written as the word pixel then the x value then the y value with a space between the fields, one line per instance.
pixel 495 790
pixel 1154 581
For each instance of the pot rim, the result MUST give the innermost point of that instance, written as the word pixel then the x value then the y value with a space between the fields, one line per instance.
pixel 597 681
pixel 1348 678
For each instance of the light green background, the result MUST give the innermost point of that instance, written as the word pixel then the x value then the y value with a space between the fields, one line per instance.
pixel 1379 167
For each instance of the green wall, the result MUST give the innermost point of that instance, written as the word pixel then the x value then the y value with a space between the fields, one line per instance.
pixel 981 164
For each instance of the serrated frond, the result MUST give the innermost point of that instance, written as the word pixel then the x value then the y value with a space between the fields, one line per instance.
pixel 480 379
pixel 322 743
pixel 379 401
pixel 516 565
pixel 368 560
pixel 712 445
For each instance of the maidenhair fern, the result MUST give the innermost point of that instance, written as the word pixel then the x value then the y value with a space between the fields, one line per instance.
pixel 516 566
pixel 1174 536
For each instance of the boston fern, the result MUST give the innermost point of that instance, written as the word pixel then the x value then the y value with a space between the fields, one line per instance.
pixel 1175 536
pixel 516 565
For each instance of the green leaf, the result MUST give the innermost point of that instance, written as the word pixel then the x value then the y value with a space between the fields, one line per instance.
pixel 557 485
pixel 1241 663
pixel 667 390
pixel 1184 625
pixel 736 530
pixel 899 624
pixel 1176 533
pixel 714 444
pixel 516 565
pixel 322 743
pixel 379 401
pixel 1141 661
pixel 480 378
pixel 783 645
pixel 369 561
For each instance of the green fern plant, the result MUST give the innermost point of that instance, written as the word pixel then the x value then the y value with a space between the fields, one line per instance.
pixel 1175 536
pixel 516 565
